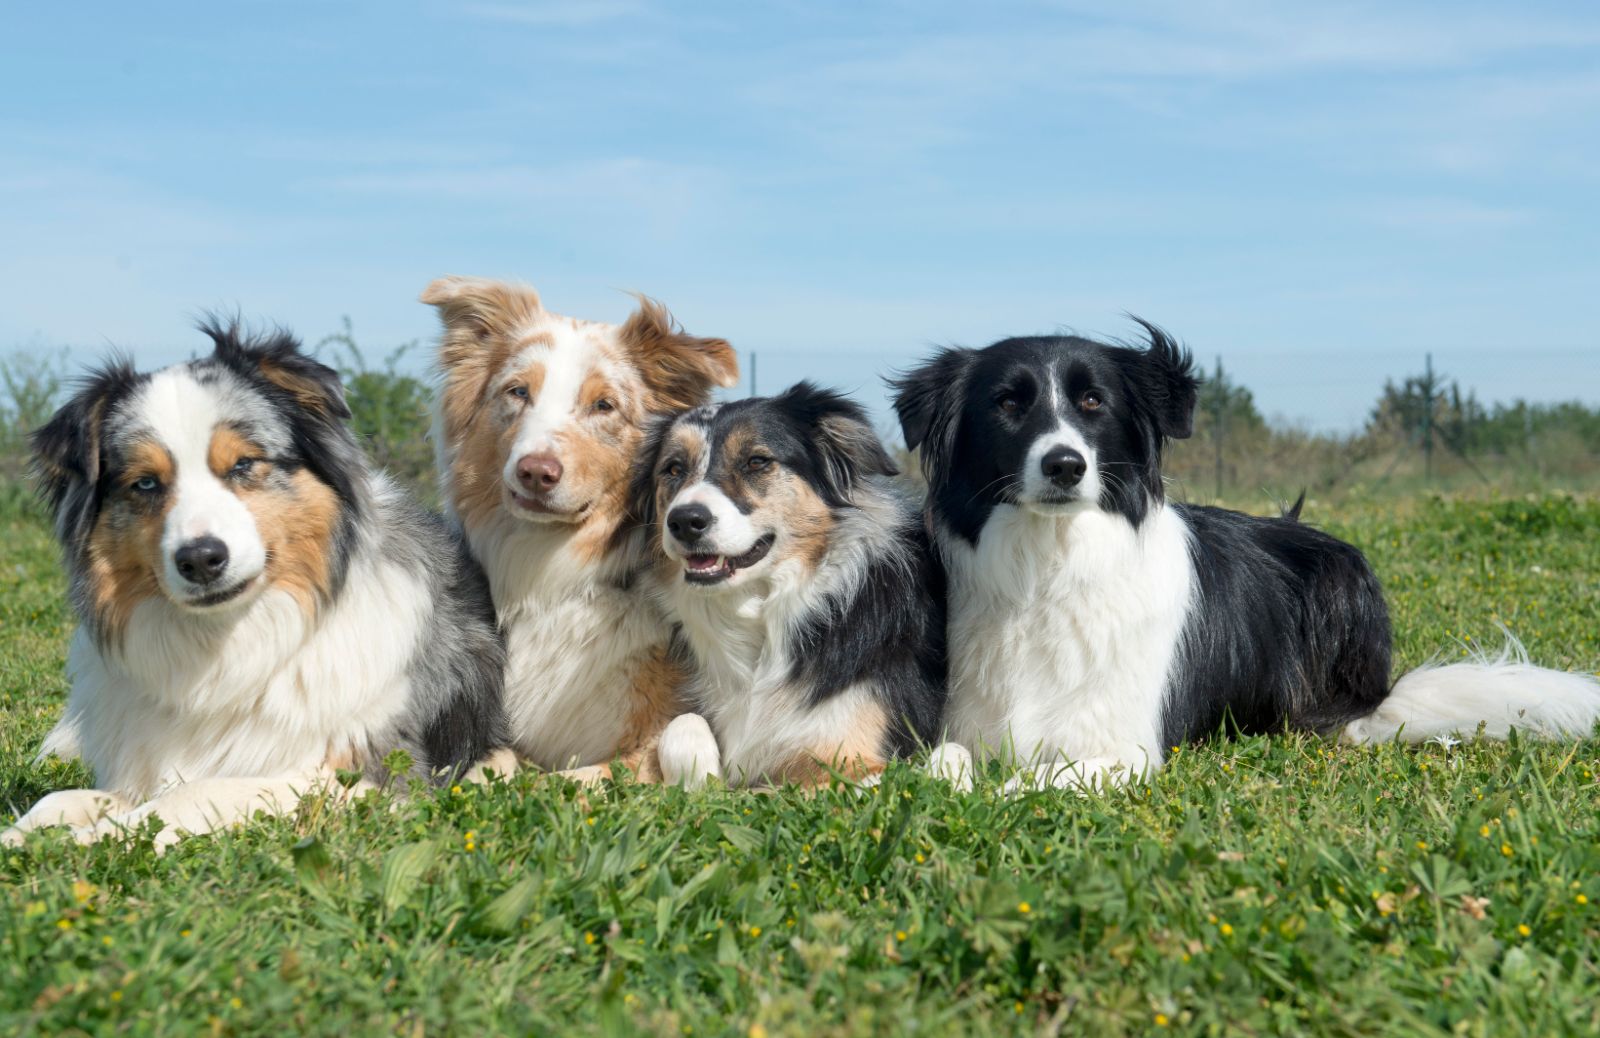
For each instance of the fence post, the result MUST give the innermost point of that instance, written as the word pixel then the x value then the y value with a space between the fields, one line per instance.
pixel 752 372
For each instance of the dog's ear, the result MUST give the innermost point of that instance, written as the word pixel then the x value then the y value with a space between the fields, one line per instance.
pixel 474 310
pixel 1171 384
pixel 928 400
pixel 680 369
pixel 68 450
pixel 847 447
pixel 278 359
pixel 642 476
pixel 479 315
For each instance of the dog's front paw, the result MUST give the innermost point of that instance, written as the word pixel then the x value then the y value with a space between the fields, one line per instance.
pixel 688 752
pixel 952 762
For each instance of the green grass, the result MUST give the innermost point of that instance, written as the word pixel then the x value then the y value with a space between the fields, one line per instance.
pixel 1276 885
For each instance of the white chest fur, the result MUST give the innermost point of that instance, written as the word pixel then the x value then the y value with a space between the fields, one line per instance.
pixel 744 685
pixel 574 641
pixel 1063 635
pixel 265 691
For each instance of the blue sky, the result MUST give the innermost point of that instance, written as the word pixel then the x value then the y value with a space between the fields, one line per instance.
pixel 1321 193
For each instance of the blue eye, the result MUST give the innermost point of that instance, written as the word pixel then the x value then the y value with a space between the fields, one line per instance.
pixel 243 466
pixel 520 392
pixel 147 484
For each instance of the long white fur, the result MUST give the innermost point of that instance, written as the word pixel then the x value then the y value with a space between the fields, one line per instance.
pixel 574 639
pixel 1065 631
pixel 742 637
pixel 1495 694
pixel 243 702
pixel 1064 628
pixel 574 636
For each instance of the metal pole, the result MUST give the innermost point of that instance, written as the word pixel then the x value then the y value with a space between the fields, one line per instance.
pixel 752 373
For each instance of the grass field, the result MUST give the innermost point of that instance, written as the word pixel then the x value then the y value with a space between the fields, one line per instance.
pixel 1281 886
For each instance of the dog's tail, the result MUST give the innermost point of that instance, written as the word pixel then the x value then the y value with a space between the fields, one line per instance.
pixel 1491 694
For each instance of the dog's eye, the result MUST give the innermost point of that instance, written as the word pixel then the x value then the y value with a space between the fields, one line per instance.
pixel 604 406
pixel 519 391
pixel 673 470
pixel 243 467
pixel 1009 404
pixel 757 462
pixel 147 484
pixel 1091 401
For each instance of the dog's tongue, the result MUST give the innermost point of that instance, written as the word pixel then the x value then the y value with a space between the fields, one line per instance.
pixel 704 563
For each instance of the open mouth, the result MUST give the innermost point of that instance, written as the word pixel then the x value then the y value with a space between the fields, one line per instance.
pixel 714 569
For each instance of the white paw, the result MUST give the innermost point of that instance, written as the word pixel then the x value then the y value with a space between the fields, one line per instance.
pixel 13 837
pixel 688 752
pixel 952 762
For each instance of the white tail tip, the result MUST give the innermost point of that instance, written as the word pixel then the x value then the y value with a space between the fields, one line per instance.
pixel 1494 695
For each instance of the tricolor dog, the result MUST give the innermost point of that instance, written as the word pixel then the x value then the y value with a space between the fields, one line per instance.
pixel 540 418
pixel 808 600
pixel 1094 624
pixel 257 609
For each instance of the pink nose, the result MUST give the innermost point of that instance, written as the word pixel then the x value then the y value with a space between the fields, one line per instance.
pixel 538 471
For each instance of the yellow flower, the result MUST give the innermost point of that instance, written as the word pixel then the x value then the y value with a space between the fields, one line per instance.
pixel 1505 848
pixel 1483 830
pixel 1018 1008
pixel 920 858
pixel 65 924
pixel 757 1031
pixel 107 941
pixel 185 933
pixel 456 790
pixel 82 891
pixel 1581 899
pixel 1161 1020
pixel 1524 929
pixel 589 820
pixel 1024 908
pixel 900 935
pixel 1422 845
pixel 755 931
pixel 588 937
pixel 1225 930
pixel 116 996
pixel 236 1002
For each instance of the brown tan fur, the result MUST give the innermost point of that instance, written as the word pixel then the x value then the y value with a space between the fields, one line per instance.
pixel 858 756
pixel 124 549
pixel 489 324
pixel 296 522
pixel 645 367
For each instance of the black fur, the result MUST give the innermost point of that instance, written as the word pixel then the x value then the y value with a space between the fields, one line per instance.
pixel 892 633
pixel 1289 628
pixel 457 673
pixel 889 631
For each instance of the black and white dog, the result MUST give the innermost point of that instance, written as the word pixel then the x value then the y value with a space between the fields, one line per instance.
pixel 806 594
pixel 257 609
pixel 1094 624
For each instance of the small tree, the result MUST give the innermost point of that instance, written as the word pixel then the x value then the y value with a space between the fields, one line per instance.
pixel 389 409
pixel 30 389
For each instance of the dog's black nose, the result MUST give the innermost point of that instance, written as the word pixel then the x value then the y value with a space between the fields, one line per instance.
pixel 687 522
pixel 1063 466
pixel 202 560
